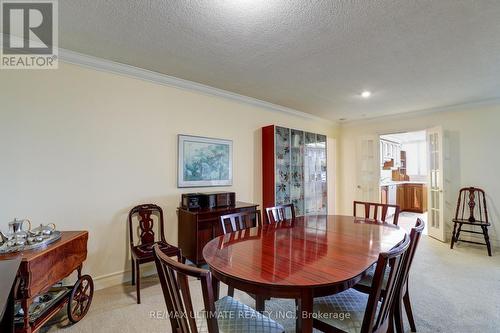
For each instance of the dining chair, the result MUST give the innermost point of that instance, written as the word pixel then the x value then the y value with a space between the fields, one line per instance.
pixel 224 315
pixel 142 251
pixel 471 210
pixel 238 221
pixel 377 211
pixel 279 213
pixel 241 220
pixel 403 296
pixel 368 313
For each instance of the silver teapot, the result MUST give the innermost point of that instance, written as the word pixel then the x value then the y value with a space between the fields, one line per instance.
pixel 43 230
pixel 16 234
pixel 16 228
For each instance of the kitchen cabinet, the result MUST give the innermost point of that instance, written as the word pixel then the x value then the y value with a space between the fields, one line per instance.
pixel 390 150
pixel 415 198
pixel 412 197
pixel 401 197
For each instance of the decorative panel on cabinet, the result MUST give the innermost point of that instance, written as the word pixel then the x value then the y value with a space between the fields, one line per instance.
pixel 294 169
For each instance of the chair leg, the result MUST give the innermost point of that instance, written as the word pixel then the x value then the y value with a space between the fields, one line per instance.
pixel 398 316
pixel 181 258
pixel 409 312
pixel 260 303
pixel 458 233
pixel 453 235
pixel 487 239
pixel 133 271
pixel 230 291
pixel 138 282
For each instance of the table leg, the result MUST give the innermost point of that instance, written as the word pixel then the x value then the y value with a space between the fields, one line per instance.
pixel 25 305
pixel 215 287
pixel 260 303
pixel 304 316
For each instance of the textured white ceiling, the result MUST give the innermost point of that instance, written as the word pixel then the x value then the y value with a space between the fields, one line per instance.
pixel 313 56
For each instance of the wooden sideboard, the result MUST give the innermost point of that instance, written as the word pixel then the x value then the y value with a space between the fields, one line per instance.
pixel 196 227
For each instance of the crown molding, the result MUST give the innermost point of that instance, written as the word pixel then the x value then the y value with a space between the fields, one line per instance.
pixel 114 67
pixel 422 112
pixel 109 66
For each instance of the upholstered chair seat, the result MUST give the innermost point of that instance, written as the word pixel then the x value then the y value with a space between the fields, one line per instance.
pixel 236 317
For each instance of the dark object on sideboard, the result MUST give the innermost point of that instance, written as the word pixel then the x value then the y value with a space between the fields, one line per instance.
pixel 196 227
pixel 208 200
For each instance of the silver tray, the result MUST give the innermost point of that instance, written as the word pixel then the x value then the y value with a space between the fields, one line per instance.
pixel 55 236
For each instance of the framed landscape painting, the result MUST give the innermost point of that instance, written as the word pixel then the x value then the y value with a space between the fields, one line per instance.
pixel 204 162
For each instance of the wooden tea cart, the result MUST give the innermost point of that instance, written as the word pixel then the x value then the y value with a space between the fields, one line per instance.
pixel 41 269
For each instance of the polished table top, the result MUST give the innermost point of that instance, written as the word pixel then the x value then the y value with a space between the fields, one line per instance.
pixel 313 251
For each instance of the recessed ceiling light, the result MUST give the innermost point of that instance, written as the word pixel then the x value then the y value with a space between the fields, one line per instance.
pixel 366 94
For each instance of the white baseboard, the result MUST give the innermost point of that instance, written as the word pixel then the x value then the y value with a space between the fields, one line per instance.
pixel 120 277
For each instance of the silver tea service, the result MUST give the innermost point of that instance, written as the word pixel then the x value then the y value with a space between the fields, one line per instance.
pixel 19 239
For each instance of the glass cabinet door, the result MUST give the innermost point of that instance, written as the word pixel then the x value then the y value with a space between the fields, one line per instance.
pixel 282 165
pixel 315 184
pixel 297 171
pixel 300 171
pixel 322 181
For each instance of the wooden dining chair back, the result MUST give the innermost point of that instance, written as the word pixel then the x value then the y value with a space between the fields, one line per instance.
pixel 403 295
pixel 241 220
pixel 279 213
pixel 226 314
pixel 145 227
pixel 365 285
pixel 471 210
pixel 379 307
pixel 141 221
pixel 415 235
pixel 377 211
pixel 175 286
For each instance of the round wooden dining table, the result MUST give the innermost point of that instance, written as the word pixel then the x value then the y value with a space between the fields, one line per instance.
pixel 301 259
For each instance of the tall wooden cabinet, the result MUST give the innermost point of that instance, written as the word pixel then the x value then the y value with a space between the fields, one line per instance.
pixel 294 169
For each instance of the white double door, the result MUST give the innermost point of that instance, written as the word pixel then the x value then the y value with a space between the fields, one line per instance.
pixel 368 177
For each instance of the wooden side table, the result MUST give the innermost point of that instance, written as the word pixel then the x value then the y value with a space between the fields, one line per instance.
pixel 40 269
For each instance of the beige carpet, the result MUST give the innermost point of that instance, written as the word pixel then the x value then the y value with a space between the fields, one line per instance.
pixel 452 291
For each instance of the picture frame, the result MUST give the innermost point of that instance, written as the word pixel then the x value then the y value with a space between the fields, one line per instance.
pixel 204 162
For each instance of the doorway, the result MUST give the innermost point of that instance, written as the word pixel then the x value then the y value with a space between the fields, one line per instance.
pixel 404 175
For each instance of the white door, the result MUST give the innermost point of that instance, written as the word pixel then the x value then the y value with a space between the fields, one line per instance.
pixel 435 196
pixel 368 169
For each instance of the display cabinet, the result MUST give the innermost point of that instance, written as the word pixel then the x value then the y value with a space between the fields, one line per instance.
pixel 294 169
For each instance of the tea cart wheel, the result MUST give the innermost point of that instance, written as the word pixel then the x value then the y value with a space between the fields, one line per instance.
pixel 80 298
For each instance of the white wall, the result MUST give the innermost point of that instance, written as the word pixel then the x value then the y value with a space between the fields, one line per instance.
pixel 80 147
pixel 473 137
